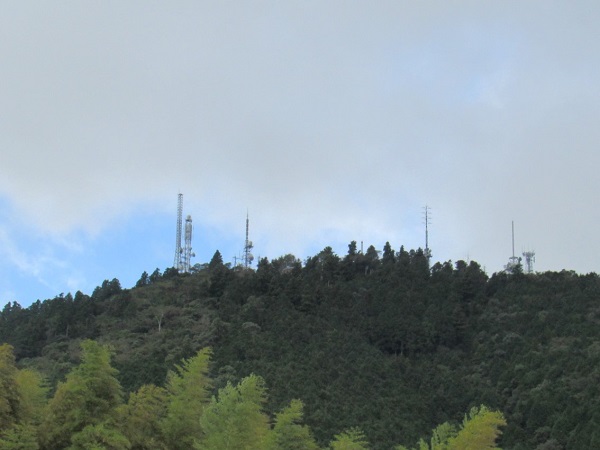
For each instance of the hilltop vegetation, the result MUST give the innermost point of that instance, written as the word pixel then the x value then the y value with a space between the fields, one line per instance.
pixel 380 342
pixel 87 412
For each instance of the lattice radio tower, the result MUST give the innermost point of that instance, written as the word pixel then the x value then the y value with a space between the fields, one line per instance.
pixel 529 260
pixel 248 257
pixel 183 255
pixel 427 220
pixel 178 249
pixel 187 249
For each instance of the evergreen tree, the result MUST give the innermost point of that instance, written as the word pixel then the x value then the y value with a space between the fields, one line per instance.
pixel 155 276
pixel 352 250
pixel 389 256
pixel 218 275
pixel 371 259
pixel 144 280
pixel 216 262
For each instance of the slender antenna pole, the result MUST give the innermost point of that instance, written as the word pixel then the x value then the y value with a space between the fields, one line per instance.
pixel 246 250
pixel 513 238
pixel 177 260
pixel 427 218
pixel 426 227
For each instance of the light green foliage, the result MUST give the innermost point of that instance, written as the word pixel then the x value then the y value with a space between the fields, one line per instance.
pixel 441 434
pixel 422 445
pixel 188 393
pixel 99 437
pixel 19 437
pixel 32 395
pixel 234 420
pixel 22 399
pixel 479 431
pixel 288 433
pixel 9 393
pixel 439 439
pixel 352 439
pixel 89 396
pixel 140 418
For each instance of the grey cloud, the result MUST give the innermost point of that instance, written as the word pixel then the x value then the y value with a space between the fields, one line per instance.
pixel 327 119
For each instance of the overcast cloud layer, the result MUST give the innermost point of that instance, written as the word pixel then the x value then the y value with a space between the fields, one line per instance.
pixel 329 121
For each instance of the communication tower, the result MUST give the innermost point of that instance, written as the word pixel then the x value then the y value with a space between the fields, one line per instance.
pixel 513 261
pixel 187 250
pixel 427 220
pixel 248 257
pixel 529 260
pixel 183 255
pixel 178 250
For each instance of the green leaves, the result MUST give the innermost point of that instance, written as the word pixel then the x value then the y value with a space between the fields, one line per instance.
pixel 90 396
pixel 352 439
pixel 99 437
pixel 140 419
pixel 87 413
pixel 234 420
pixel 188 389
pixel 479 431
pixel 22 400
pixel 288 432
pixel 9 394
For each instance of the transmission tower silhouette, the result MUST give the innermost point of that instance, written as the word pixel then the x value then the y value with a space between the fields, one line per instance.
pixel 427 220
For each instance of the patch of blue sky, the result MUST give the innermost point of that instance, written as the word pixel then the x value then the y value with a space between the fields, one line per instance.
pixel 33 266
pixel 455 64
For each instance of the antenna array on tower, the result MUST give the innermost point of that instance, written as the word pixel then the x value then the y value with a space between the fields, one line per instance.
pixel 529 260
pixel 183 255
pixel 248 257
pixel 187 250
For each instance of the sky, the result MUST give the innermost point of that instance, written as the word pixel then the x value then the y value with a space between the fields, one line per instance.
pixel 326 122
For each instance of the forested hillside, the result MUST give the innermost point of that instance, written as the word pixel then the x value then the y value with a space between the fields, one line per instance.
pixel 380 342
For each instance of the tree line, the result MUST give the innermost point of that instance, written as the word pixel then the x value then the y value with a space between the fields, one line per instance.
pixel 385 341
pixel 88 411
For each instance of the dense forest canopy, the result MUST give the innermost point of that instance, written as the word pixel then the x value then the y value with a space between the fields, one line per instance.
pixel 382 347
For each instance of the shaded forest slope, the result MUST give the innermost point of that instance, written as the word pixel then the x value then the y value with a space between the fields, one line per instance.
pixel 380 342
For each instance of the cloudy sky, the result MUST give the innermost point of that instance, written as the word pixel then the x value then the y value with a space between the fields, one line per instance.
pixel 328 121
